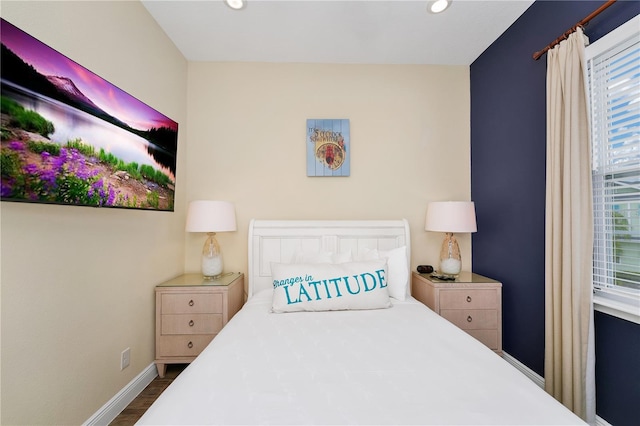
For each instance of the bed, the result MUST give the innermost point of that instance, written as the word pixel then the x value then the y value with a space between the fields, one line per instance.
pixel 308 357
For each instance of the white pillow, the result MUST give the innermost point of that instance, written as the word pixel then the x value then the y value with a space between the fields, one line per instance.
pixel 398 269
pixel 321 257
pixel 330 286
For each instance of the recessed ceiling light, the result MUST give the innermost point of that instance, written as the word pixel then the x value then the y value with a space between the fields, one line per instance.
pixel 235 4
pixel 438 6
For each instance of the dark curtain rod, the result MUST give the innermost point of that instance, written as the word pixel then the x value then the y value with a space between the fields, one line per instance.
pixel 567 33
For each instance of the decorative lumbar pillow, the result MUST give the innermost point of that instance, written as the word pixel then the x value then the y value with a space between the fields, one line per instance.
pixel 329 286
pixel 398 269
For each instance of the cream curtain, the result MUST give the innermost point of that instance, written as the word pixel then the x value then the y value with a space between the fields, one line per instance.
pixel 569 347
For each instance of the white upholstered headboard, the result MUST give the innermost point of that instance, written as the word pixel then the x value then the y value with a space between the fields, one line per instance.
pixel 278 241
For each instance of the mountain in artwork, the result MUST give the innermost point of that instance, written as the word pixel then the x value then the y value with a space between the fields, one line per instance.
pixel 13 69
pixel 66 85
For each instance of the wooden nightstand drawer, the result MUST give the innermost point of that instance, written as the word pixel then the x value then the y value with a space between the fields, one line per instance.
pixel 191 324
pixel 183 346
pixel 187 303
pixel 472 302
pixel 468 299
pixel 468 319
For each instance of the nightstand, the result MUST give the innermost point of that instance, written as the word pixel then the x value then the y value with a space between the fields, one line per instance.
pixel 471 302
pixel 190 311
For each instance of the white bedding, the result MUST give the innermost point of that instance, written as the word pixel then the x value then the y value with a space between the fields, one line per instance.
pixel 401 365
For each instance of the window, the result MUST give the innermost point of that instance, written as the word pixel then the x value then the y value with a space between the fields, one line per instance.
pixel 613 78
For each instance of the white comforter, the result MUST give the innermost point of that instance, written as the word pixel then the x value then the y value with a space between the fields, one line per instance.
pixel 402 365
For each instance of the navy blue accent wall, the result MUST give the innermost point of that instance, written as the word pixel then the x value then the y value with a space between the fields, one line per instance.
pixel 508 156
pixel 617 370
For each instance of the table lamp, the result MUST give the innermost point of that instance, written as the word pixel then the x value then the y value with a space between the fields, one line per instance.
pixel 450 217
pixel 211 217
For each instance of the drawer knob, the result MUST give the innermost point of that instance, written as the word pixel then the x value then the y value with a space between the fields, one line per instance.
pixel 468 298
pixel 191 323
pixel 469 319
pixel 190 345
pixel 191 302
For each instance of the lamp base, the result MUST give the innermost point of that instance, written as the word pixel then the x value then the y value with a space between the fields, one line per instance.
pixel 450 259
pixel 211 258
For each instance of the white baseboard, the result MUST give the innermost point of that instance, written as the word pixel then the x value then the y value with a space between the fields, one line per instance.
pixel 119 402
pixel 539 380
pixel 602 422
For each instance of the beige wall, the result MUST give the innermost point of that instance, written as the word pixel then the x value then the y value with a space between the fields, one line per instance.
pixel 410 145
pixel 77 283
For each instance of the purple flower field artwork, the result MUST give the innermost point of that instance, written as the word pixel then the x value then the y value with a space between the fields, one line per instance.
pixel 70 137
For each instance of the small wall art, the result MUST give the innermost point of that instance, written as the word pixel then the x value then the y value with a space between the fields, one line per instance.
pixel 328 147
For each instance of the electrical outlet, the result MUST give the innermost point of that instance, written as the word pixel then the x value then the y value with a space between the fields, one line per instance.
pixel 125 358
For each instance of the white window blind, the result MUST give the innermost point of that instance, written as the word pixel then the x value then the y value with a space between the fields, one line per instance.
pixel 613 76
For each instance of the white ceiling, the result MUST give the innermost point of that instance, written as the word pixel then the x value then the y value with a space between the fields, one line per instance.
pixel 332 31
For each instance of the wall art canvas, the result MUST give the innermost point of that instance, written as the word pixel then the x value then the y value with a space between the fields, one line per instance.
pixel 328 147
pixel 70 137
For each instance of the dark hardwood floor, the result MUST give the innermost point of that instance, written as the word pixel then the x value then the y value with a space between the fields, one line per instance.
pixel 138 406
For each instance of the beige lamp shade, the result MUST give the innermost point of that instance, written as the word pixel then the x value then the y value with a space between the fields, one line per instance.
pixel 211 216
pixel 451 216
